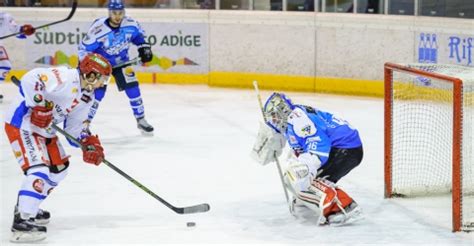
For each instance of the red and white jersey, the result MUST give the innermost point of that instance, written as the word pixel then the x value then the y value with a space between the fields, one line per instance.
pixel 59 86
pixel 7 24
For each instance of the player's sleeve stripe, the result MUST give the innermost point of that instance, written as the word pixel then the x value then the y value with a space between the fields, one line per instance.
pixel 17 118
pixel 31 194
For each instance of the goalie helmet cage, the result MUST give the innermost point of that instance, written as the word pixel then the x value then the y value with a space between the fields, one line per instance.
pixel 428 132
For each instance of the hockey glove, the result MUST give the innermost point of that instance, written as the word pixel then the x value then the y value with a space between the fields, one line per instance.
pixel 145 53
pixel 27 29
pixel 268 145
pixel 42 116
pixel 92 151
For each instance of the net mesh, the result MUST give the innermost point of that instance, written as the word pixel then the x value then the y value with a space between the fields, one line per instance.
pixel 422 135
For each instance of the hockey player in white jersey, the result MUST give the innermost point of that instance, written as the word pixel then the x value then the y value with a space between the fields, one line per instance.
pixel 111 37
pixel 50 95
pixel 7 26
pixel 324 149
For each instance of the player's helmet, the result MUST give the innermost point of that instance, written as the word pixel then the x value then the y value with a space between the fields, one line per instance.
pixel 276 111
pixel 95 68
pixel 116 5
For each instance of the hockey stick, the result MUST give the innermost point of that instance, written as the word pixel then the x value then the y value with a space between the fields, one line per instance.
pixel 73 9
pixel 200 208
pixel 255 85
pixel 134 61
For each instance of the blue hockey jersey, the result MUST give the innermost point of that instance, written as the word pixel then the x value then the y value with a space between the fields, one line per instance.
pixel 112 43
pixel 314 131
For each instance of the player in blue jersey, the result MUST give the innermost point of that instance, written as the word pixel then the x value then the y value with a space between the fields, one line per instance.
pixel 325 148
pixel 111 37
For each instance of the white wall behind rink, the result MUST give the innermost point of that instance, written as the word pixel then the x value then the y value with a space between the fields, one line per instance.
pixel 291 43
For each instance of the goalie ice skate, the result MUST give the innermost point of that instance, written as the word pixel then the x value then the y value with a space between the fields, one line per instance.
pixel 351 214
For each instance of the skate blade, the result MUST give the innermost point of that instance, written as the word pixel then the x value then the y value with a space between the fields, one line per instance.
pixel 41 221
pixel 349 220
pixel 146 134
pixel 27 237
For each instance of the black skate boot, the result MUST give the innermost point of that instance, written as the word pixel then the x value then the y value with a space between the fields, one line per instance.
pixel 42 217
pixel 144 127
pixel 26 231
pixel 1 98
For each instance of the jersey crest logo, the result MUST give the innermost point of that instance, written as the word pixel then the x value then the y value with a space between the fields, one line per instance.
pixel 306 130
pixel 38 98
pixel 43 78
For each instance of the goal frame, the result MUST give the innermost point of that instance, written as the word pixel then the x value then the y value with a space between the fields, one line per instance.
pixel 457 83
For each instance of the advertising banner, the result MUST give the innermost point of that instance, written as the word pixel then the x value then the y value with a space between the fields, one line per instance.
pixel 445 48
pixel 177 47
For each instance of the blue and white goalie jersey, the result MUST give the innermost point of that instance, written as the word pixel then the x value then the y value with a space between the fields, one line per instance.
pixel 112 43
pixel 314 131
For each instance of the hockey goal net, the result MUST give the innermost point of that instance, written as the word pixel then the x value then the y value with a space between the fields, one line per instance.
pixel 429 122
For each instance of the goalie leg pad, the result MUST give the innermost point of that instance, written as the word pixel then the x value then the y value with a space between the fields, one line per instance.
pixel 328 196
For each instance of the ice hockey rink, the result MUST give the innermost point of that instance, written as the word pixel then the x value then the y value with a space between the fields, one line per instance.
pixel 201 153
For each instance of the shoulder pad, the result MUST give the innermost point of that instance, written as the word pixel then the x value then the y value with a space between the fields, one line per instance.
pixel 128 21
pixel 302 124
pixel 97 29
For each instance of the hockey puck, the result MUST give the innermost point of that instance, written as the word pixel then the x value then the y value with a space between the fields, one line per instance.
pixel 191 224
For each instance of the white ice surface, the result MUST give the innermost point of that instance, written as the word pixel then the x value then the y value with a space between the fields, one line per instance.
pixel 200 153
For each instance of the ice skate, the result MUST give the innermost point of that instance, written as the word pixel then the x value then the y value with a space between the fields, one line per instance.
pixel 352 214
pixel 144 127
pixel 42 217
pixel 1 98
pixel 26 231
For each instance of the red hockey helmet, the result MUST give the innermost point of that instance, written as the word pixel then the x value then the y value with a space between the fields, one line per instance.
pixel 94 62
pixel 95 68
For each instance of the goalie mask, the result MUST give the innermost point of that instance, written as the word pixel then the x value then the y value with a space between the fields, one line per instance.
pixel 276 111
pixel 95 71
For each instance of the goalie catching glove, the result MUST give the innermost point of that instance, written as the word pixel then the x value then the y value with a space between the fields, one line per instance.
pixel 92 151
pixel 268 145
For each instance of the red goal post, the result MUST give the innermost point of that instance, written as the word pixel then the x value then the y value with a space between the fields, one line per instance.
pixel 428 134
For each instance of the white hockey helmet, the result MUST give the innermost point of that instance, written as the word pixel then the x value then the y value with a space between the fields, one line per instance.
pixel 276 111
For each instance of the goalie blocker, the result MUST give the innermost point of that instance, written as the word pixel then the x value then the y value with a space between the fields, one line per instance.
pixel 325 149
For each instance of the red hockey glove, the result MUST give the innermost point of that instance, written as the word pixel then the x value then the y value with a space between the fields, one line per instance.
pixel 92 151
pixel 27 29
pixel 42 116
